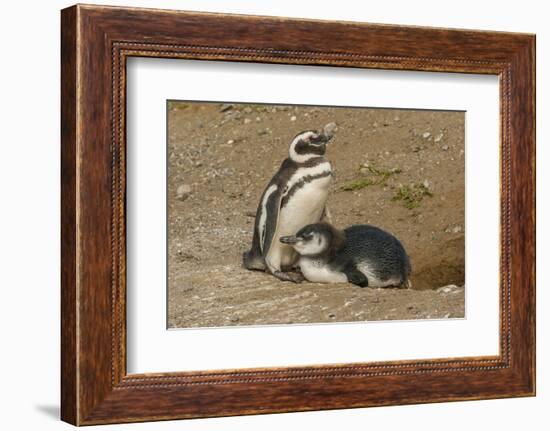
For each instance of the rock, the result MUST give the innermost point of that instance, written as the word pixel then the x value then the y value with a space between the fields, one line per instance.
pixel 247 121
pixel 426 135
pixel 396 119
pixel 183 192
pixel 445 147
pixel 226 107
pixel 329 129
pixel 438 137
pixel 293 118
pixel 451 288
pixel 248 110
pixel 230 142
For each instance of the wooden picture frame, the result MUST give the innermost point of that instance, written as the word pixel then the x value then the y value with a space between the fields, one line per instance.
pixel 95 43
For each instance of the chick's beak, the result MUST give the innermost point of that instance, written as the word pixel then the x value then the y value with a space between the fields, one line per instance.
pixel 291 239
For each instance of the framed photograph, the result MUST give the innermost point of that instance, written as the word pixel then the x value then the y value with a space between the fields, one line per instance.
pixel 264 215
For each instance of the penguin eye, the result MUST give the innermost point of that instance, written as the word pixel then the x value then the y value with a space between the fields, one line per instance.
pixel 314 140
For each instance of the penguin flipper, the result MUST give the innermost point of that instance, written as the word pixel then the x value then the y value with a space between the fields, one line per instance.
pixel 272 208
pixel 355 276
pixel 254 259
pixel 267 219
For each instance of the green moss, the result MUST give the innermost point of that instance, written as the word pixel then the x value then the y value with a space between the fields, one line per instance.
pixel 412 196
pixel 374 176
pixel 384 173
pixel 357 184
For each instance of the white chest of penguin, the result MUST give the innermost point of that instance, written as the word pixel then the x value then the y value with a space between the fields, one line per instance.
pixel 307 192
pixel 317 271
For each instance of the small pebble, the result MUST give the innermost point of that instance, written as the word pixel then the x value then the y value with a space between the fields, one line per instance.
pixel 183 192
pixel 248 110
pixel 293 118
pixel 438 137
pixel 226 107
pixel 445 147
pixel 426 135
pixel 451 288
pixel 247 121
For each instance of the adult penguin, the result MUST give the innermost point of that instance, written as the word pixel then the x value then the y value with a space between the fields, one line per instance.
pixel 295 197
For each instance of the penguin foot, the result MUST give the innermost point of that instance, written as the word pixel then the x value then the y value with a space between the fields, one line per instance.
pixel 357 277
pixel 294 277
pixel 253 262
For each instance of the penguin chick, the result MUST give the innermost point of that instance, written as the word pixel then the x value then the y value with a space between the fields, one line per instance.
pixel 362 254
pixel 295 197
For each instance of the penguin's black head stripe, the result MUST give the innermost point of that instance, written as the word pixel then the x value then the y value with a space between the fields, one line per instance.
pixel 304 147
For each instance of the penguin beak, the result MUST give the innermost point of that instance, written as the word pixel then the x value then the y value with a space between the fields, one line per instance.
pixel 291 239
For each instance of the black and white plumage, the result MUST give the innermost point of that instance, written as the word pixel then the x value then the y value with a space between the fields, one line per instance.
pixel 295 197
pixel 362 254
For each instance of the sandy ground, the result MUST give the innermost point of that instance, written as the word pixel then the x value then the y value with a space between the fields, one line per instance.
pixel 401 170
